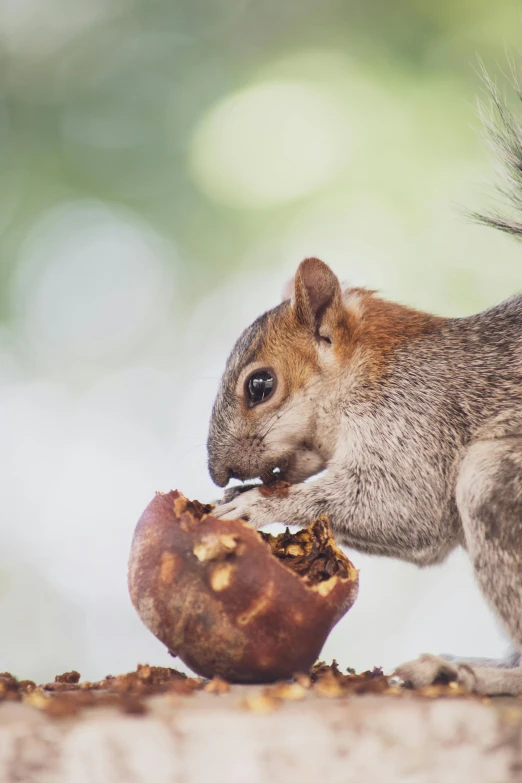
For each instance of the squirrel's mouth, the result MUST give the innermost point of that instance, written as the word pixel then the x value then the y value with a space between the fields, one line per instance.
pixel 275 473
pixel 294 467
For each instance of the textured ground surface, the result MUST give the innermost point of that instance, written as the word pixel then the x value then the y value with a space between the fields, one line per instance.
pixel 194 732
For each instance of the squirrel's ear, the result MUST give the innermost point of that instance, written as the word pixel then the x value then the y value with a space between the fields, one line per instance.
pixel 316 290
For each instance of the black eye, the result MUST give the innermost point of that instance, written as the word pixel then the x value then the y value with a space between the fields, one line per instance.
pixel 260 385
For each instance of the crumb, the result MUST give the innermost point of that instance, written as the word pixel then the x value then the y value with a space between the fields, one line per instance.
pixel 69 677
pixel 217 685
pixel 278 489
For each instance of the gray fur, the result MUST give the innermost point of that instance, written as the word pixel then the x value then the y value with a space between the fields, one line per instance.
pixel 485 680
pixel 511 661
pixel 420 461
pixel 390 487
pixel 231 453
pixel 427 460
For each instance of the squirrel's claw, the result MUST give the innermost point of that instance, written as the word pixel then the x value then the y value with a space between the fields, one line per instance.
pixel 248 505
pixel 428 669
pixel 226 510
pixel 239 507
pixel 486 680
pixel 232 493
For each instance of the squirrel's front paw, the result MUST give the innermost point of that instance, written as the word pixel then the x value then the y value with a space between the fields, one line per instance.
pixel 246 505
pixel 427 669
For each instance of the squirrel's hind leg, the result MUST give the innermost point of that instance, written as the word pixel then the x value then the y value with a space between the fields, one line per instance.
pixel 428 669
pixel 510 661
pixel 489 499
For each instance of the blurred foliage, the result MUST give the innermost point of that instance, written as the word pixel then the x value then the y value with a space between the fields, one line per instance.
pixel 165 165
pixel 101 100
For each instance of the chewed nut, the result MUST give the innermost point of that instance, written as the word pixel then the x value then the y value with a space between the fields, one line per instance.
pixel 180 504
pixel 215 547
pixel 235 603
pixel 221 577
pixel 167 568
pixel 260 605
pixel 295 550
pixel 323 588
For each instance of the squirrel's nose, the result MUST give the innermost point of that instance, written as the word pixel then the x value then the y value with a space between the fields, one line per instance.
pixel 220 475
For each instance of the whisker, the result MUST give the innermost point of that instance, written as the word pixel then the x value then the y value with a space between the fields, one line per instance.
pixel 276 415
pixel 292 408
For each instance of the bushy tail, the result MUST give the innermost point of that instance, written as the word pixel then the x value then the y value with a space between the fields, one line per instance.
pixel 504 136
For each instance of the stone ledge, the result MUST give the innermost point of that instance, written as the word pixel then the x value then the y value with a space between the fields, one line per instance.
pixel 358 739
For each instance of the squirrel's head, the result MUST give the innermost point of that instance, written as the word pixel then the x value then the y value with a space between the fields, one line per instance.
pixel 265 415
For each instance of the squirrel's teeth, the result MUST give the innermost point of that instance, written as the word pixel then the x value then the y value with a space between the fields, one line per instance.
pixel 269 475
pixel 275 473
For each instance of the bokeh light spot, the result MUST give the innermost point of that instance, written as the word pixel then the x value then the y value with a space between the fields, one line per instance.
pixel 91 284
pixel 271 143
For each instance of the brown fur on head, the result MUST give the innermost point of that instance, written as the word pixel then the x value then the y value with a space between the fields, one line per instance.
pixel 309 345
pixel 249 440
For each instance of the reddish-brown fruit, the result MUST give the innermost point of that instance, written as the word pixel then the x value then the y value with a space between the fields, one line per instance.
pixel 226 600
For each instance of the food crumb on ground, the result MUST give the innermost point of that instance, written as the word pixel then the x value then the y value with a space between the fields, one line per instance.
pixel 66 696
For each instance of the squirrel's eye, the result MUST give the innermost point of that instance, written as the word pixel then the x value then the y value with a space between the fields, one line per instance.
pixel 260 385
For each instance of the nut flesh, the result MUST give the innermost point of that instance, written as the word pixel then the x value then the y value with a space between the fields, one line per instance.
pixel 212 547
pixel 311 553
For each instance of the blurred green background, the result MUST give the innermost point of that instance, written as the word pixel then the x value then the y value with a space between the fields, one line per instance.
pixel 165 166
pixel 227 125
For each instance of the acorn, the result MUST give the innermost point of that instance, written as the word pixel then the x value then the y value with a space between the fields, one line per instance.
pixel 230 601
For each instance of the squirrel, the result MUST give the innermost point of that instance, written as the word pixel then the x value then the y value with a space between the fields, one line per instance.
pixel 413 421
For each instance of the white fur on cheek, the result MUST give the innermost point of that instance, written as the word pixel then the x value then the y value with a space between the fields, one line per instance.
pixel 304 464
pixel 292 426
pixel 303 434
